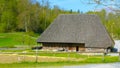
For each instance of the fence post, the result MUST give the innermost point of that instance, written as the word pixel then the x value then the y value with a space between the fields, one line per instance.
pixel 104 53
pixel 119 56
pixel 53 54
pixel 18 58
pixel 103 57
pixel 24 54
pixel 68 56
pixel 36 55
pixel 88 55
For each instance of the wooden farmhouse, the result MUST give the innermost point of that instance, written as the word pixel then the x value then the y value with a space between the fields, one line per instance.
pixel 76 32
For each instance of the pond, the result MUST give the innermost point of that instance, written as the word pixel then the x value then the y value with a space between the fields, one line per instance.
pixel 108 65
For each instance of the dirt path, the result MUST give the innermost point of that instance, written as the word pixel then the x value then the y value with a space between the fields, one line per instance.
pixel 12 58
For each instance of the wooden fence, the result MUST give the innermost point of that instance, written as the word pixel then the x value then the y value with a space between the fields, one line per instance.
pixel 36 54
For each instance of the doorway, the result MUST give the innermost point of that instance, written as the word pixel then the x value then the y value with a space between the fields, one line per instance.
pixel 77 48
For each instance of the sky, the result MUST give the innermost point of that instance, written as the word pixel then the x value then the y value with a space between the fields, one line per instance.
pixel 75 5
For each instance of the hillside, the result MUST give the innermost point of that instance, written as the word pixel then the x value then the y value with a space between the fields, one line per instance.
pixel 18 39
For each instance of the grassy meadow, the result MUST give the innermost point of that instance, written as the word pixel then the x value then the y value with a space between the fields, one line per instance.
pixel 17 39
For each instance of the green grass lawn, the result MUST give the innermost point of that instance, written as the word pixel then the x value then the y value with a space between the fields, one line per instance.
pixel 58 64
pixel 16 39
pixel 32 65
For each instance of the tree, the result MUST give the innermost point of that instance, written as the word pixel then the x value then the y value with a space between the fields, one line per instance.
pixel 24 7
pixel 114 5
pixel 78 11
pixel 71 11
pixel 27 15
pixel 8 15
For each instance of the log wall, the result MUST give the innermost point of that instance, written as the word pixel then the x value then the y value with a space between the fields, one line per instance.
pixel 70 47
pixel 65 46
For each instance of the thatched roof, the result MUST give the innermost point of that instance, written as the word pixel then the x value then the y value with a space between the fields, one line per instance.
pixel 77 28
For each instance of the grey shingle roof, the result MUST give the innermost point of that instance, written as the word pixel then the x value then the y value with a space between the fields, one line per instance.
pixel 77 28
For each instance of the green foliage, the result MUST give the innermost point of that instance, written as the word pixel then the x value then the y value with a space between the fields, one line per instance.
pixel 16 39
pixel 30 16
pixel 24 15
pixel 111 22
